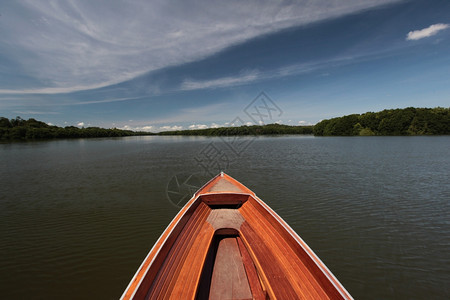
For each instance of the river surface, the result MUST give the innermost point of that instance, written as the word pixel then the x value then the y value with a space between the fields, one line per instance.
pixel 77 217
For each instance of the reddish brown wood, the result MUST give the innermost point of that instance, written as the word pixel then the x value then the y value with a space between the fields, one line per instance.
pixel 259 257
pixel 229 280
pixel 306 263
pixel 268 265
pixel 279 253
pixel 224 199
pixel 143 279
pixel 252 275
pixel 175 259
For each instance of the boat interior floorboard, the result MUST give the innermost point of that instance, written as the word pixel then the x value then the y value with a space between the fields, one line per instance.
pixel 229 280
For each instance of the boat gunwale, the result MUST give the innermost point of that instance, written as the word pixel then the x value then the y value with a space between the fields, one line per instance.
pixel 172 223
pixel 314 257
pixel 162 240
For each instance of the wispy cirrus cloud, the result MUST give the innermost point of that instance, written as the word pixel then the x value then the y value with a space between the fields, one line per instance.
pixel 249 76
pixel 70 46
pixel 426 32
pixel 33 112
pixel 60 90
pixel 240 79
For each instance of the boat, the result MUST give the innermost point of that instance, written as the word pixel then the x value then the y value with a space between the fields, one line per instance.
pixel 226 243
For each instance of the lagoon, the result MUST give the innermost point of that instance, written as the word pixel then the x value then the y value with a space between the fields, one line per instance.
pixel 77 217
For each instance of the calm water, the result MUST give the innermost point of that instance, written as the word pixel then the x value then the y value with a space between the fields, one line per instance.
pixel 77 217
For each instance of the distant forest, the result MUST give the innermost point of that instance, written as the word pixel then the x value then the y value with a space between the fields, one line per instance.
pixel 31 129
pixel 268 129
pixel 407 121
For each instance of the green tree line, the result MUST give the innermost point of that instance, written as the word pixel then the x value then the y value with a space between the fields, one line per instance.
pixel 268 129
pixel 407 121
pixel 31 129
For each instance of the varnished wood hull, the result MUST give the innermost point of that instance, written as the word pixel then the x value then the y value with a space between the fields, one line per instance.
pixel 226 243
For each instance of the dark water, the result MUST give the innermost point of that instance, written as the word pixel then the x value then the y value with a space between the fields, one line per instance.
pixel 77 217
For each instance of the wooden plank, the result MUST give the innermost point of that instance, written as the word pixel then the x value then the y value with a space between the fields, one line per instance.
pixel 298 275
pixel 328 282
pixel 272 256
pixel 229 279
pixel 274 277
pixel 188 241
pixel 250 270
pixel 225 218
pixel 205 278
pixel 169 265
pixel 143 279
pixel 303 271
pixel 224 199
pixel 189 275
pixel 223 181
pixel 168 272
pixel 223 185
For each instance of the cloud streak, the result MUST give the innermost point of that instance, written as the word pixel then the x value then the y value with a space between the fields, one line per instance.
pixel 248 77
pixel 426 32
pixel 71 46
pixel 241 79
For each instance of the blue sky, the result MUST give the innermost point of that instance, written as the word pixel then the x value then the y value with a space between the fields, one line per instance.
pixel 159 65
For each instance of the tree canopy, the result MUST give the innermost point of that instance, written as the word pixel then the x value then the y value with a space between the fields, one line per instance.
pixel 407 121
pixel 31 129
pixel 268 129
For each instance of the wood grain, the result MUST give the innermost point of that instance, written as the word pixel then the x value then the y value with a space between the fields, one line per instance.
pixel 230 243
pixel 229 279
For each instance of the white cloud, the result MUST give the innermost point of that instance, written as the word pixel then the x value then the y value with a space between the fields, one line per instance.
pixel 145 128
pixel 59 90
pixel 138 128
pixel 426 32
pixel 81 124
pixel 108 100
pixel 244 78
pixel 198 126
pixel 33 112
pixel 304 123
pixel 169 128
pixel 67 46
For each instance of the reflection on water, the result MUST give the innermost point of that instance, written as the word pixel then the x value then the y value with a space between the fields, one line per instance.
pixel 77 217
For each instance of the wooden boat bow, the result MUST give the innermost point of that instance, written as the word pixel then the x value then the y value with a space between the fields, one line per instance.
pixel 226 243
